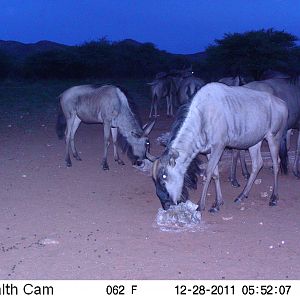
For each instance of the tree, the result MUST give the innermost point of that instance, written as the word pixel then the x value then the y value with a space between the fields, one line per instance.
pixel 57 64
pixel 250 53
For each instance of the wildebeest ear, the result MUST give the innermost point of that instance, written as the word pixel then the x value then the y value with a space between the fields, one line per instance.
pixel 136 135
pixel 147 128
pixel 173 155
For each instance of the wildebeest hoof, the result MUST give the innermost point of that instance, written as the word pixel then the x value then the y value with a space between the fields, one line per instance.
pixel 214 209
pixel 68 164
pixel 120 161
pixel 273 203
pixel 78 158
pixel 237 200
pixel 246 176
pixel 234 183
pixel 297 174
pixel 105 166
pixel 273 200
pixel 200 209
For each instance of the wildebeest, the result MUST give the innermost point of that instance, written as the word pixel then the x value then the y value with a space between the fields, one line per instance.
pixel 178 75
pixel 162 88
pixel 233 81
pixel 289 91
pixel 219 116
pixel 188 88
pixel 166 85
pixel 107 105
pixel 236 154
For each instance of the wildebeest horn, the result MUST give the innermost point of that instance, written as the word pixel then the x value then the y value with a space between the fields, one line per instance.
pixel 154 169
pixel 151 157
pixel 147 128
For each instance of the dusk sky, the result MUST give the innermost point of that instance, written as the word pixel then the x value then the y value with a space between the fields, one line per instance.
pixel 177 26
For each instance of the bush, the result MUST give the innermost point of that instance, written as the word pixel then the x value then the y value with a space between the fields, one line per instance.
pixel 6 65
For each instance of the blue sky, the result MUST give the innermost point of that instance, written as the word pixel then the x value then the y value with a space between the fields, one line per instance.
pixel 178 26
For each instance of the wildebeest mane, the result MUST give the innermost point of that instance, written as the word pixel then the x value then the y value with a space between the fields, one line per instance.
pixel 191 178
pixel 179 120
pixel 122 140
pixel 132 105
pixel 193 171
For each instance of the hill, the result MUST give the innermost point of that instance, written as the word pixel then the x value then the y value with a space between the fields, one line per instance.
pixel 20 50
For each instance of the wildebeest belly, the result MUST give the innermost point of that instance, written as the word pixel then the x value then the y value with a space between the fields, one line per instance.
pixel 89 115
pixel 242 135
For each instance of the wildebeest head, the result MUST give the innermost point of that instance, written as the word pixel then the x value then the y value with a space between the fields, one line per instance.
pixel 168 180
pixel 140 144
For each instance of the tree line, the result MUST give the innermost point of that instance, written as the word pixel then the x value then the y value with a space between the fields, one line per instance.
pixel 248 54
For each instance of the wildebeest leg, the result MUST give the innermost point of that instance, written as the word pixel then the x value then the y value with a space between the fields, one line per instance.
pixel 106 145
pixel 168 105
pixel 232 176
pixel 171 105
pixel 211 165
pixel 70 121
pixel 155 109
pixel 288 139
pixel 296 161
pixel 219 199
pixel 274 143
pixel 75 125
pixel 257 164
pixel 114 133
pixel 245 171
pixel 154 106
pixel 151 109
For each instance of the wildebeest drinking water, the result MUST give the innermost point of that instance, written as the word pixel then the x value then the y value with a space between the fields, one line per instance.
pixel 289 91
pixel 219 116
pixel 107 105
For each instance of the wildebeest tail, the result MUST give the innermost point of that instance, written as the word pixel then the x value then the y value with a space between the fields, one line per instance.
pixel 61 123
pixel 283 154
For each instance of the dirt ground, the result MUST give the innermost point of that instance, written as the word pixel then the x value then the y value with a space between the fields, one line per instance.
pixel 85 223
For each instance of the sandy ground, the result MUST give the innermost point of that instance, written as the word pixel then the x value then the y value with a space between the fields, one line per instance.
pixel 85 223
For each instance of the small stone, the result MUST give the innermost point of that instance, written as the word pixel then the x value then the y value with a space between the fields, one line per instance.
pixel 264 194
pixel 257 181
pixel 227 218
pixel 48 241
